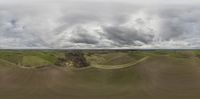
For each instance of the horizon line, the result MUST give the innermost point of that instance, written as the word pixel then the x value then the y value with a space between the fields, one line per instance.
pixel 99 49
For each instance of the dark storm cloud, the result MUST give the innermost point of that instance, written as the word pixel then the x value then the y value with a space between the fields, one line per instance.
pixel 179 21
pixel 125 36
pixel 81 36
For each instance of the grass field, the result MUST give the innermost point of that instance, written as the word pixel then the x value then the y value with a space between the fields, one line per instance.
pixel 110 75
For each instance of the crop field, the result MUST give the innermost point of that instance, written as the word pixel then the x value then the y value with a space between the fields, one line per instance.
pixel 110 74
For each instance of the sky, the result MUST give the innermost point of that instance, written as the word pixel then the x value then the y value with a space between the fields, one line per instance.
pixel 100 24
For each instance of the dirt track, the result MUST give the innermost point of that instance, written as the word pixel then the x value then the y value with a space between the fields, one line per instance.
pixel 156 78
pixel 120 66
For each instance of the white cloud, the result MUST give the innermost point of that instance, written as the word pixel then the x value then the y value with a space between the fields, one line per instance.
pixel 98 25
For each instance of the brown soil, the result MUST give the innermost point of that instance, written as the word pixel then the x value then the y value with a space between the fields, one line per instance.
pixel 160 77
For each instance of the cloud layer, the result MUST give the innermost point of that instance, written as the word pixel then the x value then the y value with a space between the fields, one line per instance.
pixel 99 25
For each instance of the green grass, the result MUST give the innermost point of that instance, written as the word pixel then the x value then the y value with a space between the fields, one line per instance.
pixel 197 53
pixel 50 56
pixel 181 54
pixel 139 54
pixel 31 57
pixel 13 57
pixel 119 66
pixel 115 58
pixel 107 58
pixel 34 61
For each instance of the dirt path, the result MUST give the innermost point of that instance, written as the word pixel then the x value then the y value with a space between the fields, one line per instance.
pixel 119 66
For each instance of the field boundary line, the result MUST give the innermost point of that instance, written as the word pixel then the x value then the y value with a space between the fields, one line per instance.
pixel 119 66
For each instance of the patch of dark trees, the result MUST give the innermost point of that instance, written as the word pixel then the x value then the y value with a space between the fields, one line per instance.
pixel 77 58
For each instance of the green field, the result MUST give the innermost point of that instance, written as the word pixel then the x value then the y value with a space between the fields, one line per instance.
pixel 159 74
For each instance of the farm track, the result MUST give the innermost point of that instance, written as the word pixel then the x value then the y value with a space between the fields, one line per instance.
pixel 119 66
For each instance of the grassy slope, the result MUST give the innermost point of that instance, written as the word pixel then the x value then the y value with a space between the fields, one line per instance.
pixel 13 57
pixel 114 60
pixel 34 61
pixel 125 65
pixel 6 64
pixel 30 58
pixel 105 60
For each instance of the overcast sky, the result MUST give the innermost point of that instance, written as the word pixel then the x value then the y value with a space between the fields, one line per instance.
pixel 95 24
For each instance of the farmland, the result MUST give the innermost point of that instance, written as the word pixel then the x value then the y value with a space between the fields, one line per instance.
pixel 161 74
